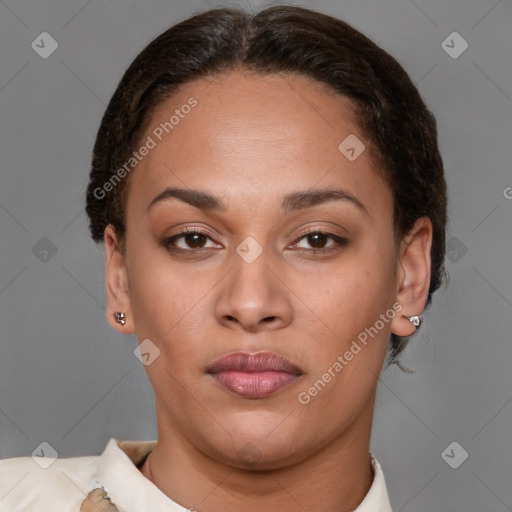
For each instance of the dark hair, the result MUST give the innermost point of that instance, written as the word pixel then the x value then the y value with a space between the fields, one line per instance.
pixel 398 128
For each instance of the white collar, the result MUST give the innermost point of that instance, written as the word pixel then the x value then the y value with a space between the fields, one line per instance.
pixel 377 499
pixel 131 491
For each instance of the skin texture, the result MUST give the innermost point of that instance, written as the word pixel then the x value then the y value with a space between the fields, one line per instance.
pixel 250 141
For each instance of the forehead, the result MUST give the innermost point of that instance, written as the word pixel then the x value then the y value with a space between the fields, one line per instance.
pixel 254 138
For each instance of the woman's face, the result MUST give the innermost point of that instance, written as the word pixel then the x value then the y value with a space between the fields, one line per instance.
pixel 253 280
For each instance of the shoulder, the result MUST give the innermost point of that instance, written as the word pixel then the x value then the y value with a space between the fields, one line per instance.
pixel 42 483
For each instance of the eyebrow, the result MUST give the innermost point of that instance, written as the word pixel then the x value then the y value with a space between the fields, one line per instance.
pixel 291 202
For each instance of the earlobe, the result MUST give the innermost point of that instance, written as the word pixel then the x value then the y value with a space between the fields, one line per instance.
pixel 413 277
pixel 118 312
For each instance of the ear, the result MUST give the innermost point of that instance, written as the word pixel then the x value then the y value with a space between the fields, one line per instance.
pixel 116 280
pixel 413 276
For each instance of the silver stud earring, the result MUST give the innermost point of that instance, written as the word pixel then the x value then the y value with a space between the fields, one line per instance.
pixel 120 317
pixel 415 320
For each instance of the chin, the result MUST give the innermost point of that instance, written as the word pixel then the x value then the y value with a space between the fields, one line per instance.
pixel 259 456
pixel 260 445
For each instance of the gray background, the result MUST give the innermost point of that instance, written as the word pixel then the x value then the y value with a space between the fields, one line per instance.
pixel 69 379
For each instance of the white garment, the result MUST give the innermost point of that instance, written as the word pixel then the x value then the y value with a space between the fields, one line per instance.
pixel 63 486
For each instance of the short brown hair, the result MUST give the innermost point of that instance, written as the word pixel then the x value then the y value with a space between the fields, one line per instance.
pixel 393 118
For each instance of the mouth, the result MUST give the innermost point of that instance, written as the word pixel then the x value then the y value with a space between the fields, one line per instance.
pixel 254 376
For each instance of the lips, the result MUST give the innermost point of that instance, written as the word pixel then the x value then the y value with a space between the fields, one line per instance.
pixel 254 376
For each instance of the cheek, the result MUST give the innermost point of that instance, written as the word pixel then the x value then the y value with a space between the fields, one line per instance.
pixel 168 304
pixel 349 295
pixel 155 296
pixel 359 293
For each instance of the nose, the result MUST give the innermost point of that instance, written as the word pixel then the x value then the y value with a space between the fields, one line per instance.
pixel 254 296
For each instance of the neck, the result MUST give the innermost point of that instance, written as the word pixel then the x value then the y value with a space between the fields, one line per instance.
pixel 334 478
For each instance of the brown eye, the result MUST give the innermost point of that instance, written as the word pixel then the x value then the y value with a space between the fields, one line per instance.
pixel 318 241
pixel 187 240
pixel 195 240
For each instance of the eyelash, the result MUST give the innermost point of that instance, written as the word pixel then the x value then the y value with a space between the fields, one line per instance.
pixel 339 241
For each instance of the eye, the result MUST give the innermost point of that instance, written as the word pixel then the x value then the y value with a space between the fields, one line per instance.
pixel 192 239
pixel 317 240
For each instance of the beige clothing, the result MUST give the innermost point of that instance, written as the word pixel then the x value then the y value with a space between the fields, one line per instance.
pixel 25 486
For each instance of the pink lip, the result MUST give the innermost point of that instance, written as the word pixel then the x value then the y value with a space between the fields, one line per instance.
pixel 254 376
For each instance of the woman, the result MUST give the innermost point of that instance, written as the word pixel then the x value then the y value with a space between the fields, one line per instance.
pixel 272 202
